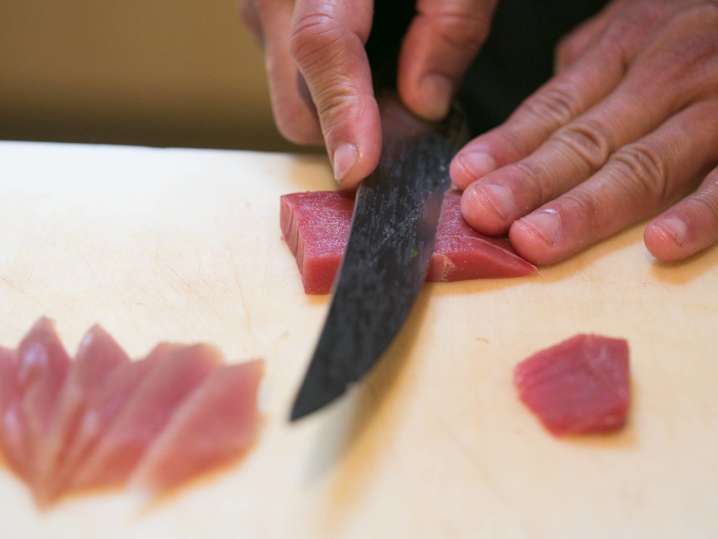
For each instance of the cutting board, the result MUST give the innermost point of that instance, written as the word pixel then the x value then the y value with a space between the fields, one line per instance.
pixel 185 245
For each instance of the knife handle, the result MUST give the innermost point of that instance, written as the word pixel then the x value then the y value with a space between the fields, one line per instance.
pixel 390 23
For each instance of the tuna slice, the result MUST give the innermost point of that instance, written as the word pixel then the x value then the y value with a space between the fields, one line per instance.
pixel 316 226
pixel 41 371
pixel 578 386
pixel 97 357
pixel 147 413
pixel 8 388
pixel 212 428
pixel 102 409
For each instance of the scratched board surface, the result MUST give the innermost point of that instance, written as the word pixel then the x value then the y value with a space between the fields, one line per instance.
pixel 185 245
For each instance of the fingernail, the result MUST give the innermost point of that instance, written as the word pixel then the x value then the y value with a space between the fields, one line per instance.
pixel 477 164
pixel 675 227
pixel 500 198
pixel 344 158
pixel 546 224
pixel 436 93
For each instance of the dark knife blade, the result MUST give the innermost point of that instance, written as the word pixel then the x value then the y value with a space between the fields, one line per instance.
pixel 388 253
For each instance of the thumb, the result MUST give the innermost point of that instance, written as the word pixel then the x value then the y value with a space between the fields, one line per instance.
pixel 441 42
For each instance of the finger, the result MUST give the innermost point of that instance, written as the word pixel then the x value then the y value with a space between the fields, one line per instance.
pixel 250 18
pixel 327 43
pixel 555 104
pixel 295 118
pixel 442 40
pixel 688 227
pixel 568 157
pixel 639 180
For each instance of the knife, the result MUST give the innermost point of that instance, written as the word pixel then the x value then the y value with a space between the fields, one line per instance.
pixel 391 241
pixel 388 253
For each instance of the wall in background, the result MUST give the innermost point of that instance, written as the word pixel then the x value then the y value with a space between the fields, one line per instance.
pixel 155 72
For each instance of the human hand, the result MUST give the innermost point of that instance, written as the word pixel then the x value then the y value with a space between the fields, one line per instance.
pixel 626 127
pixel 323 41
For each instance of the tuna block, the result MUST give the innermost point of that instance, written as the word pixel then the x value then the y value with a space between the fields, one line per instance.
pixel 316 226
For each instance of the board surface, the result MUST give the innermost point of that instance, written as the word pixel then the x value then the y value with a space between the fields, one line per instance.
pixel 185 245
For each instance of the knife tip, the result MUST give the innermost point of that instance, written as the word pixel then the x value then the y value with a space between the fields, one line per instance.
pixel 313 396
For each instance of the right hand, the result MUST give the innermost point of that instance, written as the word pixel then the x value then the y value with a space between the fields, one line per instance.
pixel 319 75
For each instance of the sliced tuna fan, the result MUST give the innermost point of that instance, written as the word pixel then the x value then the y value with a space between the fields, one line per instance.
pixel 103 420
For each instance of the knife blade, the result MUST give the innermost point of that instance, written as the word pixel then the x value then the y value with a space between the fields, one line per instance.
pixel 388 252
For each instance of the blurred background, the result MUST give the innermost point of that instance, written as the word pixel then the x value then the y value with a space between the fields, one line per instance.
pixel 149 72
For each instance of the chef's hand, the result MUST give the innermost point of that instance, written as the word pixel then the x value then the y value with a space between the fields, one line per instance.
pixel 627 127
pixel 323 40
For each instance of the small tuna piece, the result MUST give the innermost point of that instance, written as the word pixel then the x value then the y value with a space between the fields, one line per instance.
pixel 98 355
pixel 144 417
pixel 8 369
pixel 41 371
pixel 103 408
pixel 578 386
pixel 214 426
pixel 8 388
pixel 316 226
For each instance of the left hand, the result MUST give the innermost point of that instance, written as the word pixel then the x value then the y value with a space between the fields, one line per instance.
pixel 627 127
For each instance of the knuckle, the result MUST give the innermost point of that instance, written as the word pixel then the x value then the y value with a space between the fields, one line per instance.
pixel 313 35
pixel 642 173
pixel 587 141
pixel 335 98
pixel 556 104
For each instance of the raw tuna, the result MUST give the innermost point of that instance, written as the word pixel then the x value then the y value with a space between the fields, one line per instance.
pixel 578 386
pixel 145 416
pixel 211 428
pixel 316 226
pixel 73 425
pixel 8 368
pixel 8 388
pixel 41 371
pixel 102 410
pixel 97 357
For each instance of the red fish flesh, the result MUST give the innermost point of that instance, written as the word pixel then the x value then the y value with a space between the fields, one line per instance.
pixel 578 386
pixel 41 370
pixel 316 226
pixel 103 408
pixel 8 388
pixel 213 427
pixel 72 425
pixel 97 357
pixel 8 368
pixel 146 414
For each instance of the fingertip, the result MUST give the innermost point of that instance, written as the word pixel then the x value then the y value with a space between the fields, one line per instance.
pixel 354 142
pixel 486 207
pixel 469 166
pixel 664 237
pixel 536 236
pixel 432 99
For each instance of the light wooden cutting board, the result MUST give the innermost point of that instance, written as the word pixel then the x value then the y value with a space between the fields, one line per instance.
pixel 185 245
